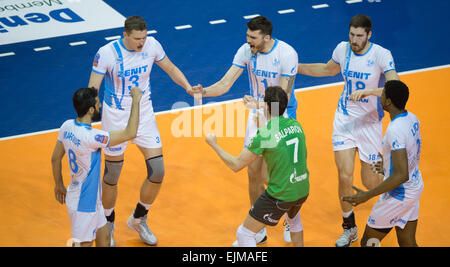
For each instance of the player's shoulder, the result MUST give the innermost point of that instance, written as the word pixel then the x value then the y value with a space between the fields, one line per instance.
pixel 245 47
pixel 380 50
pixel 402 122
pixel 151 41
pixel 341 48
pixel 244 50
pixel 67 124
pixel 109 44
pixel 412 116
pixel 342 45
pixel 107 48
pixel 293 122
pixel 285 47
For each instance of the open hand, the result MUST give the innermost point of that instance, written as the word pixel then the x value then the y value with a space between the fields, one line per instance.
pixel 358 94
pixel 60 193
pixel 360 197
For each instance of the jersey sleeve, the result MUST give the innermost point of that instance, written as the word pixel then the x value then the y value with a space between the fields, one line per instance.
pixel 289 63
pixel 242 56
pixel 98 139
pixel 385 60
pixel 159 53
pixel 396 139
pixel 339 53
pixel 103 60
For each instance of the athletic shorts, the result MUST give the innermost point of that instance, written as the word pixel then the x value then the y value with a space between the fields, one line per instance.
pixel 269 210
pixel 366 136
pixel 252 125
pixel 389 212
pixel 84 225
pixel 147 136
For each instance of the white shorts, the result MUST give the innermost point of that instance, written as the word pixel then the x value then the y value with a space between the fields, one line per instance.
pixel 84 225
pixel 364 135
pixel 147 136
pixel 389 212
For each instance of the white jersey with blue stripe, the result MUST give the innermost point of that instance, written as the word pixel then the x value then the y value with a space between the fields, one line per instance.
pixel 403 132
pixel 362 72
pixel 125 69
pixel 266 69
pixel 82 144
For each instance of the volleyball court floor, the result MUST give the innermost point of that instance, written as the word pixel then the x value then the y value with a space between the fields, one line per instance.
pixel 202 202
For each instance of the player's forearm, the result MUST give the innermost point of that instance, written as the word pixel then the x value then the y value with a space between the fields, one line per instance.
pixel 315 70
pixel 389 184
pixel 217 89
pixel 133 121
pixel 228 159
pixel 56 170
pixel 373 91
pixel 178 77
pixel 287 84
pixel 95 80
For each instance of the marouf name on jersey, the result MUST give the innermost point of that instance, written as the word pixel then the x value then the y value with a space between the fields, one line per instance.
pixel 65 15
pixel 70 136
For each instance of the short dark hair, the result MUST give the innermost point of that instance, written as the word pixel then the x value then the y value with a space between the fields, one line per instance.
pixel 83 99
pixel 260 23
pixel 397 92
pixel 362 21
pixel 136 23
pixel 276 94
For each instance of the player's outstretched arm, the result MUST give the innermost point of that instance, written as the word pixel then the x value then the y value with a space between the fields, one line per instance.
pixel 130 131
pixel 287 83
pixel 235 163
pixel 60 189
pixel 222 86
pixel 331 68
pixel 358 94
pixel 175 74
pixel 95 80
pixel 400 175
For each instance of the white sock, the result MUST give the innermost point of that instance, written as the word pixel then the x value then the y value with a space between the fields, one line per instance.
pixel 347 214
pixel 108 211
pixel 245 237
pixel 146 206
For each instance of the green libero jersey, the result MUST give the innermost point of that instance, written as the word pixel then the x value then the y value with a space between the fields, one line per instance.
pixel 282 145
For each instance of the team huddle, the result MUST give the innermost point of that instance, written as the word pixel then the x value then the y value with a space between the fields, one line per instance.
pixel 274 147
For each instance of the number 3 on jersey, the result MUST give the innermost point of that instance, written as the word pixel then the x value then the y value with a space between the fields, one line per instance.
pixel 134 80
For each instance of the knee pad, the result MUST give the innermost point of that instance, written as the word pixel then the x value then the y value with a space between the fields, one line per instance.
pixel 155 169
pixel 245 237
pixel 295 224
pixel 112 172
